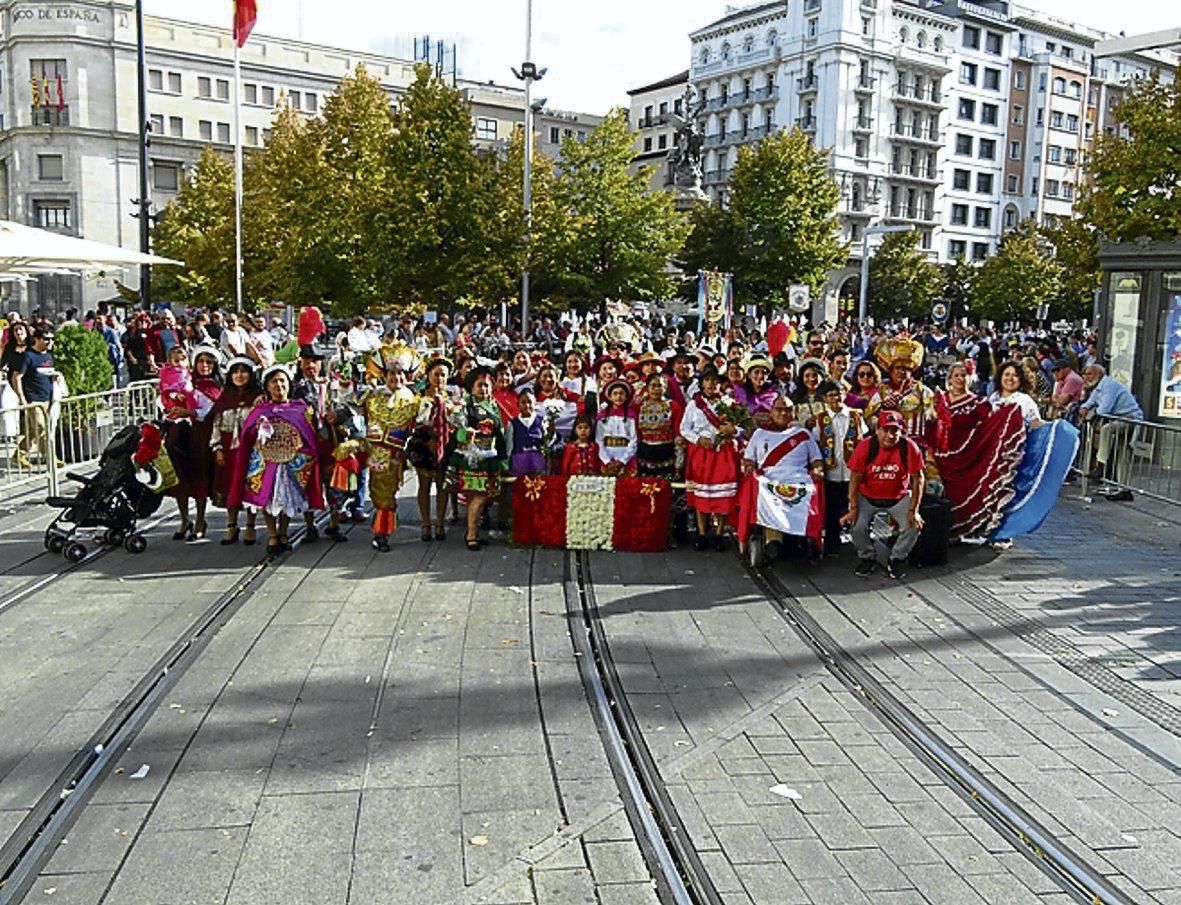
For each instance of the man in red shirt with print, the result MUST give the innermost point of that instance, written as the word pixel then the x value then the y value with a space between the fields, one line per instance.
pixel 885 475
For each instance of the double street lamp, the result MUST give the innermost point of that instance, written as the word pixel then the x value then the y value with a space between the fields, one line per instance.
pixel 528 73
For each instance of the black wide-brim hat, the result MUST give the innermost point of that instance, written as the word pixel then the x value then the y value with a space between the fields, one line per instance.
pixel 312 351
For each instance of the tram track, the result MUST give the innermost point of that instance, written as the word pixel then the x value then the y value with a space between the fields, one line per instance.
pixel 31 845
pixel 674 863
pixel 1020 829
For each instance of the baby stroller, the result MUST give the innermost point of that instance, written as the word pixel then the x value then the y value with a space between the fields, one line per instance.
pixel 114 498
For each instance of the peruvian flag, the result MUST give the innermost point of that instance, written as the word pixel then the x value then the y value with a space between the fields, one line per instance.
pixel 591 512
pixel 245 14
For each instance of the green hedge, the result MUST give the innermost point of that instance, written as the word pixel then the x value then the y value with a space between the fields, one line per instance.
pixel 81 356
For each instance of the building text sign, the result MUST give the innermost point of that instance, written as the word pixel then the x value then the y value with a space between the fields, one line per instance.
pixel 55 13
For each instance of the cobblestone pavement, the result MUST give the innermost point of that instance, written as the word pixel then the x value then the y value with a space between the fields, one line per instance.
pixel 411 727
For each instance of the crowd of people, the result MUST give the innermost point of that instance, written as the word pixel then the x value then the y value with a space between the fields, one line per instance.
pixel 277 426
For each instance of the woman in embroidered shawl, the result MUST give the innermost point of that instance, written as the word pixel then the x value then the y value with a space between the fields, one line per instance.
pixel 480 454
pixel 226 418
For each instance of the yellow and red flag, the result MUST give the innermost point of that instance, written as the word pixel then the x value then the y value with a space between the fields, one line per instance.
pixel 245 14
pixel 36 92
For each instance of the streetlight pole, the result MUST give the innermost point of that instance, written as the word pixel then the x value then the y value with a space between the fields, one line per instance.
pixel 529 73
pixel 145 199
pixel 863 300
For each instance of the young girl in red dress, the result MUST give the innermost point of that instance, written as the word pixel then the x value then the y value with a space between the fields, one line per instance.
pixel 581 454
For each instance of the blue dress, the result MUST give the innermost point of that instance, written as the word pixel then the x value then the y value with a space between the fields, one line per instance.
pixel 1049 453
pixel 528 446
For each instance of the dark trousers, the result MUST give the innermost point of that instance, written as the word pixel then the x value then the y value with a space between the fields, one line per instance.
pixel 836 504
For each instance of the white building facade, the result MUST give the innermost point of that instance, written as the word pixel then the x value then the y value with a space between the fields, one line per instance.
pixel 68 117
pixel 957 119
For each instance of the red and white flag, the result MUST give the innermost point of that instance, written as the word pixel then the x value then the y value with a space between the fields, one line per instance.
pixel 245 15
pixel 61 93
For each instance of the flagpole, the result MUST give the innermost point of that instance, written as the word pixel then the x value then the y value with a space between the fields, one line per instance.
pixel 237 176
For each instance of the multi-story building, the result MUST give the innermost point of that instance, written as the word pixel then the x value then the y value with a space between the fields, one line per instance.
pixel 956 118
pixel 651 116
pixel 68 117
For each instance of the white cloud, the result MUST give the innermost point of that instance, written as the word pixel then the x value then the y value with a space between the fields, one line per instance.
pixel 594 51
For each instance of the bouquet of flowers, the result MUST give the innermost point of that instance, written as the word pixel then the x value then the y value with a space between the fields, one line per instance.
pixel 734 415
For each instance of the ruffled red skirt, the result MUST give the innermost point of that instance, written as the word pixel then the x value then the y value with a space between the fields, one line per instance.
pixel 980 466
pixel 711 478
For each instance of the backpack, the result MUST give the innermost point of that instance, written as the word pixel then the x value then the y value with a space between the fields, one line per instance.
pixel 903 452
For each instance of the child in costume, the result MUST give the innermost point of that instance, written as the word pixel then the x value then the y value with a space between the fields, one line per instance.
pixel 237 397
pixel 711 460
pixel 658 428
pixel 581 454
pixel 526 438
pixel 838 430
pixel 391 412
pixel 616 430
pixel 431 444
pixel 480 454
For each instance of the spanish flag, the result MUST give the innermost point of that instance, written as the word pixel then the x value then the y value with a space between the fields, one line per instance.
pixel 36 92
pixel 245 14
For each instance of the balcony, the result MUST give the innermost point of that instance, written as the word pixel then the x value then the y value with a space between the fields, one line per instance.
pixel 807 83
pixel 742 98
pixel 712 141
pixel 922 136
pixel 767 92
pixel 811 6
pixel 649 122
pixel 756 56
pixel 911 214
pixel 715 103
pixel 807 123
pixel 927 97
pixel 919 173
pixel 869 4
pixel 863 124
pixel 716 177
pixel 864 83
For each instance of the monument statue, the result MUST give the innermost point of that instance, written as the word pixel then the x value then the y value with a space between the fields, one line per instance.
pixel 684 160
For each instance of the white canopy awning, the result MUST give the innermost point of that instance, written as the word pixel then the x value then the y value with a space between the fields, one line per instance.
pixel 25 251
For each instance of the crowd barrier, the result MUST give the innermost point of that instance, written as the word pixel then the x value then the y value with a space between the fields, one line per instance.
pixel 38 440
pixel 1141 457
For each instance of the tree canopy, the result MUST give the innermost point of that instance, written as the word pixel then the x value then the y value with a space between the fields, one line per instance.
pixel 903 281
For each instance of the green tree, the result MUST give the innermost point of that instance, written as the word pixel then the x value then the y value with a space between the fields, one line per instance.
pixel 437 228
pixel 902 279
pixel 1076 249
pixel 198 229
pixel 615 239
pixel 1021 276
pixel 784 201
pixel 714 243
pixel 958 278
pixel 1134 185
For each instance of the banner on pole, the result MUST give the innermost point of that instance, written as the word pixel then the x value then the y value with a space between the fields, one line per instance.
pixel 715 298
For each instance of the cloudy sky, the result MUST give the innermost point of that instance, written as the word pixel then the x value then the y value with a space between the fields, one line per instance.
pixel 595 51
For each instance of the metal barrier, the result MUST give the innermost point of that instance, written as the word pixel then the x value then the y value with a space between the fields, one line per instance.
pixel 40 439
pixel 1125 455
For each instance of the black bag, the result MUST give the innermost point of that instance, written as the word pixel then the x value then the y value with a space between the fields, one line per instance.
pixel 935 538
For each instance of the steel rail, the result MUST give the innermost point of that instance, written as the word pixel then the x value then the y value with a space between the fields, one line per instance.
pixel 681 877
pixel 1014 823
pixel 34 841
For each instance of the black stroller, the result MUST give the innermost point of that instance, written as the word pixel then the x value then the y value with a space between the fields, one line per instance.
pixel 112 499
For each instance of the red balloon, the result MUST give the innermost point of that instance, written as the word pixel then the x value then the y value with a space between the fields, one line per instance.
pixel 776 337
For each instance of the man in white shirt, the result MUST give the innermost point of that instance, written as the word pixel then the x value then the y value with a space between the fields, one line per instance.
pixel 263 343
pixel 837 433
pixel 360 339
pixel 234 339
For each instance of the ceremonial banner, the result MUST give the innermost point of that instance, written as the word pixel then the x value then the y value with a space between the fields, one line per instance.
pixel 715 298
pixel 589 512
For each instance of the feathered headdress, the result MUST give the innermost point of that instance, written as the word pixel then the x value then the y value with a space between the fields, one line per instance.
pixel 899 350
pixel 390 353
pixel 311 326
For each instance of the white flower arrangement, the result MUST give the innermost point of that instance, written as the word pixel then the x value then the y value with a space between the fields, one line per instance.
pixel 590 512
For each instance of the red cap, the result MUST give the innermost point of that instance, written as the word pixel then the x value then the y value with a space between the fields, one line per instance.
pixel 891 419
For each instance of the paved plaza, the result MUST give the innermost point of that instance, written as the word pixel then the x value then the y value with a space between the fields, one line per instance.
pixel 413 727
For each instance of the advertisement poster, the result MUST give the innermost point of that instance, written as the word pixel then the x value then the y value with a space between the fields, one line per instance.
pixel 1125 325
pixel 1170 383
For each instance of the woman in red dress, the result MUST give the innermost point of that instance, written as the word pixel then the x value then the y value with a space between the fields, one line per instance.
pixel 984 448
pixel 229 412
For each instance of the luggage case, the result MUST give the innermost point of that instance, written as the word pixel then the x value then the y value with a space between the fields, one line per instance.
pixel 932 545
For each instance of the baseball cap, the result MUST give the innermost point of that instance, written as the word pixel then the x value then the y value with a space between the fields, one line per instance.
pixel 891 419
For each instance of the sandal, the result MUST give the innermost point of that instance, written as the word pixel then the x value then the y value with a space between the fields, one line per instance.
pixel 473 543
pixel 231 537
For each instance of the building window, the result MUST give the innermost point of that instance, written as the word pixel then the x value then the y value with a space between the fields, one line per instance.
pixel 1059 85
pixel 1014 150
pixel 295 100
pixel 311 102
pixel 1033 186
pixel 50 167
pixel 813 26
pixel 1011 185
pixel 979 251
pixel 961 179
pixel 664 104
pixel 860 148
pixel 967 109
pixel 989 114
pixel 992 79
pixel 157 122
pixel 165 176
pixel 205 130
pixel 963 144
pixel 176 127
pixel 678 107
pixel 1051 188
pixel 1056 119
pixel 1019 80
pixel 968 73
pixel 49 85
pixel 268 96
pixel 1071 122
pixel 52 214
pixel 555 136
pixel 174 82
pixel 1018 115
pixel 266 136
pixel 204 86
pixel 957 248
pixel 155 79
pixel 987 149
pixel 1010 217
pixel 1054 154
pixel 971 37
pixel 647 143
pixel 984 183
pixel 865 25
pixel 250 93
pixel 1076 89
pixel 1041 115
pixel 485 128
pixel 582 136
pixel 959 214
pixel 252 136
pixel 1069 156
pixel 223 133
pixel 661 142
pixel 223 90
pixel 993 43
